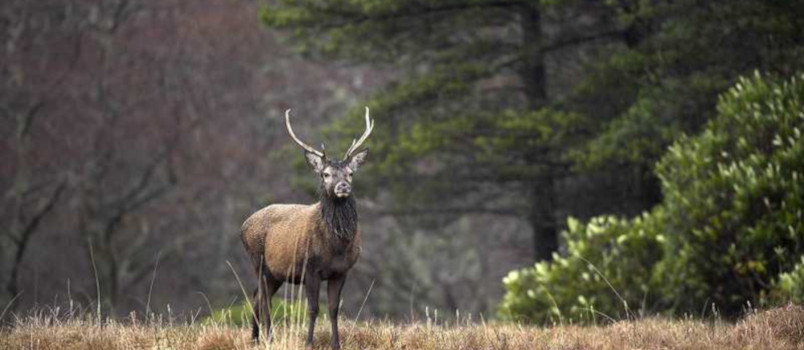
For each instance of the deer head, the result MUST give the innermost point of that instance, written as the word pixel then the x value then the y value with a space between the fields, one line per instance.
pixel 336 175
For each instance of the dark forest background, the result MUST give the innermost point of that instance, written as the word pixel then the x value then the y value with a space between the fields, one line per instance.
pixel 138 135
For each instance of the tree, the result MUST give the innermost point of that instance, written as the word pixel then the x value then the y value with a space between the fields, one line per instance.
pixel 37 183
pixel 536 109
pixel 141 128
pixel 470 127
pixel 676 57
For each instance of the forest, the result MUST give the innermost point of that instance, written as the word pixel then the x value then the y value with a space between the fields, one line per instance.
pixel 534 162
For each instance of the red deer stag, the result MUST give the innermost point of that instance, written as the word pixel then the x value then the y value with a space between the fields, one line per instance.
pixel 307 244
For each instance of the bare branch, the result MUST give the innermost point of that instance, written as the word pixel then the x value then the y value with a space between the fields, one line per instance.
pixel 46 207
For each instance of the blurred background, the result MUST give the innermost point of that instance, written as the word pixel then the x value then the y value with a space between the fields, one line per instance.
pixel 532 160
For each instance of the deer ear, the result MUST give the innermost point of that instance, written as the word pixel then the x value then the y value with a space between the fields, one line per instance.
pixel 314 161
pixel 357 159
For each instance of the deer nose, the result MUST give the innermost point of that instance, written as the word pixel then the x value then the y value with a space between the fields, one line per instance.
pixel 342 189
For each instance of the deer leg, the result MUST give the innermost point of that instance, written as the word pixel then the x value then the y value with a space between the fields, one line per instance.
pixel 255 317
pixel 334 288
pixel 311 285
pixel 271 286
pixel 257 307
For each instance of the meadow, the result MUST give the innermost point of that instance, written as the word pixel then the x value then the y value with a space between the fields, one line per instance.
pixel 781 328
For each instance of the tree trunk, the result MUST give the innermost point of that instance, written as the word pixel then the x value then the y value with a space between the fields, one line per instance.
pixel 534 79
pixel 7 253
pixel 542 218
pixel 533 72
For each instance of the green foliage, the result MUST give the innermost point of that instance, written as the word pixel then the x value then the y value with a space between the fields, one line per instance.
pixel 789 286
pixel 634 137
pixel 448 149
pixel 728 232
pixel 637 97
pixel 678 56
pixel 734 197
pixel 381 31
pixel 240 314
pixel 605 273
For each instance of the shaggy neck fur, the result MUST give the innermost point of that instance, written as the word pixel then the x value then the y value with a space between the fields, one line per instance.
pixel 339 216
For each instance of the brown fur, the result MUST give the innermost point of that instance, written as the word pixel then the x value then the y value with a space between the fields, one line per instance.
pixel 293 243
pixel 288 235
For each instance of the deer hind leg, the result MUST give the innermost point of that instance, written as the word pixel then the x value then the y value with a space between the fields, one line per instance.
pixel 271 287
pixel 266 287
pixel 257 307
pixel 255 317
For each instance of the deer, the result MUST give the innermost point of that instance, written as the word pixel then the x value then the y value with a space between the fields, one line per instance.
pixel 308 244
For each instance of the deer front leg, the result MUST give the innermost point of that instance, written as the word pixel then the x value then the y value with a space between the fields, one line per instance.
pixel 334 287
pixel 311 286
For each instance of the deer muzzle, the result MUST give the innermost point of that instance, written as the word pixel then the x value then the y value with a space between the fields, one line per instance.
pixel 342 190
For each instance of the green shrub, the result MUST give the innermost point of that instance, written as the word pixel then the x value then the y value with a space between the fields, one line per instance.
pixel 733 196
pixel 789 287
pixel 604 274
pixel 729 231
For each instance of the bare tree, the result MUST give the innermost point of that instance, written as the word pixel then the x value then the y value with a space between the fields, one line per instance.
pixel 139 129
pixel 36 184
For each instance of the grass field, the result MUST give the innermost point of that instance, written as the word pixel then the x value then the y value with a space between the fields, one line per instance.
pixel 781 328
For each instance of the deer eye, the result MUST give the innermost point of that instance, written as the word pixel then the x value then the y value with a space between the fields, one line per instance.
pixel 327 175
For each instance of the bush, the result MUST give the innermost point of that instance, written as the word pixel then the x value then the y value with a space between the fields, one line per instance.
pixel 734 198
pixel 728 231
pixel 789 286
pixel 604 274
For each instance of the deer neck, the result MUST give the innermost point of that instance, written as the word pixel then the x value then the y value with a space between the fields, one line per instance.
pixel 339 217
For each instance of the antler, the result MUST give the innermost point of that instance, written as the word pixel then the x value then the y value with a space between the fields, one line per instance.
pixel 358 142
pixel 302 144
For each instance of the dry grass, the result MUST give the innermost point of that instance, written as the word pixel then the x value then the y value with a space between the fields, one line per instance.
pixel 775 329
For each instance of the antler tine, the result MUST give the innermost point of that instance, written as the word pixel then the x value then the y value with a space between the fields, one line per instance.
pixel 358 142
pixel 293 135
